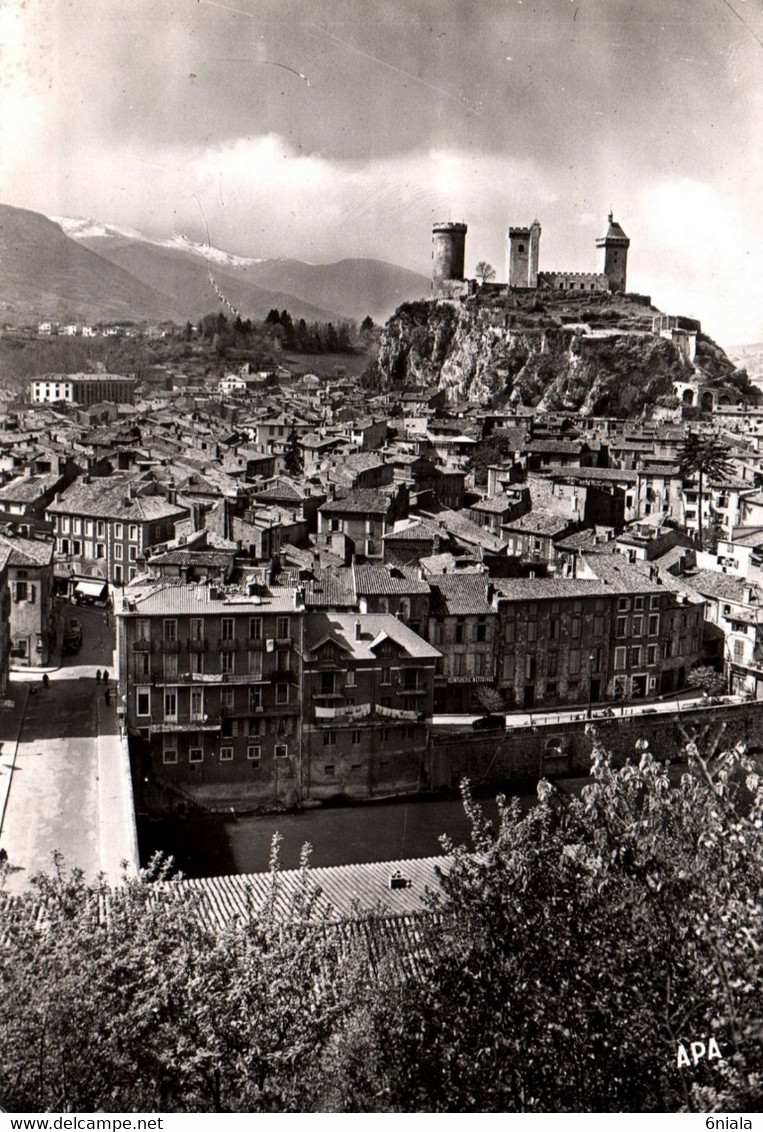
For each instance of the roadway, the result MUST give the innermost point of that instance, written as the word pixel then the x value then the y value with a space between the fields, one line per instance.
pixel 686 701
pixel 64 792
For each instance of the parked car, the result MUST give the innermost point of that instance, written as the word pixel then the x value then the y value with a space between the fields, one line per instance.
pixel 72 641
pixel 490 723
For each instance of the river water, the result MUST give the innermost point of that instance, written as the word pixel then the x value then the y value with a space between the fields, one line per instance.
pixel 381 831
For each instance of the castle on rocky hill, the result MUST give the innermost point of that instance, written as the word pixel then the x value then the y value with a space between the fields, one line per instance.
pixel 523 259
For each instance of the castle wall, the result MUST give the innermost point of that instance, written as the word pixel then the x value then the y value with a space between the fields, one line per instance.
pixel 572 281
pixel 448 252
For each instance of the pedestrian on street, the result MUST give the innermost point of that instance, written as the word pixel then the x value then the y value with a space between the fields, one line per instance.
pixel 3 857
pixel 97 675
pixel 105 676
pixel 107 697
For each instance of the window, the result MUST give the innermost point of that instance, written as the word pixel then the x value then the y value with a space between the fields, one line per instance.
pixel 574 662
pixel 133 553
pixel 282 693
pixel 142 667
pixel 437 633
pixel 133 532
pixel 620 659
pixel 196 661
pixel 170 755
pixel 651 654
pixel 170 665
pixel 226 663
pixel 170 705
pixel 532 630
pixel 622 627
pixel 100 550
pixel 169 630
pixel 530 667
pixel 386 676
pixel 458 664
pixel 227 698
pixel 226 754
pixel 654 601
pixel 636 656
pixel 553 629
pixel 255 698
pixel 553 664
pixel 197 705
pixel 226 628
pixel 254 753
pixel 638 603
pixel 118 531
pixel 255 628
pixel 281 751
pixel 117 550
pixel 196 755
pixel 100 528
pixel 654 624
pixel 143 701
pixel 508 666
pixel 638 626
pixel 479 664
pixel 329 738
pixel 738 650
pixel 350 678
pixel 77 527
pixel 255 663
pixel 328 769
pixel 623 603
pixel 480 630
pixel 356 737
pixel 197 629
pixel 22 591
pixel 459 631
pixel 282 627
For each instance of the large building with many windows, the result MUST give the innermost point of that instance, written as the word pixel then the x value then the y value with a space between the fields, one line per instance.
pixel 111 520
pixel 83 389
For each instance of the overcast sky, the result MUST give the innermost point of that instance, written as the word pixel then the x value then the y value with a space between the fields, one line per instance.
pixel 157 113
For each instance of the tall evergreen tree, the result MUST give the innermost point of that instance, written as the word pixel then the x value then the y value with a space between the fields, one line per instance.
pixel 705 457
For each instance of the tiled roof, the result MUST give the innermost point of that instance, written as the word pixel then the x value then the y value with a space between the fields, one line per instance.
pixel 345 890
pixel 715 584
pixel 329 589
pixel 494 504
pixel 418 531
pixel 157 598
pixel 26 489
pixel 461 594
pixel 546 589
pixel 462 528
pixel 372 579
pixel 625 475
pixel 109 498
pixel 360 501
pixel 340 627
pixel 621 575
pixel 26 551
pixel 539 522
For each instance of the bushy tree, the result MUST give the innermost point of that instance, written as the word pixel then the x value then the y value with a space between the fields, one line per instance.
pixel 130 1000
pixel 707 680
pixel 572 951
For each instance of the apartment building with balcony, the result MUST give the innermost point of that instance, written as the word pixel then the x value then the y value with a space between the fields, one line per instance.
pixel 462 626
pixel 210 683
pixel 368 690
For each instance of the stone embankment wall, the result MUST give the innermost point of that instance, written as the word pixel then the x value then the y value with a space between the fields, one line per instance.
pixel 555 749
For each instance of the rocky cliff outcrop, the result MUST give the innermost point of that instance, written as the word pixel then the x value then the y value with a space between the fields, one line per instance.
pixel 596 354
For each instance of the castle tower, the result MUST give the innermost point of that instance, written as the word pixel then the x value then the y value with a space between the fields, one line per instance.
pixel 448 252
pixel 613 255
pixel 523 255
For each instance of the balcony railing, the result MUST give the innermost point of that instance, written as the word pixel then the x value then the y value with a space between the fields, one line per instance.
pixel 142 646
pixel 198 644
pixel 166 645
pixel 229 645
pixel 283 642
pixel 255 644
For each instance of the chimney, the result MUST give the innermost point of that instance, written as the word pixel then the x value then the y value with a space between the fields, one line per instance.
pixel 357 631
pixel 746 594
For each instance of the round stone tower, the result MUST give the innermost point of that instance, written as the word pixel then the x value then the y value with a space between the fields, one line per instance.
pixel 448 251
pixel 613 254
